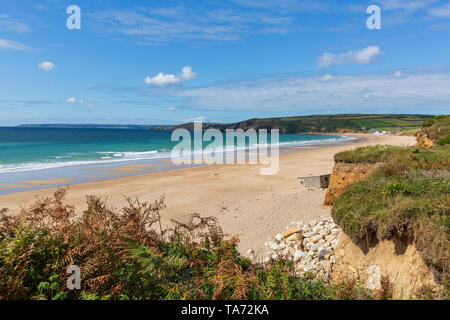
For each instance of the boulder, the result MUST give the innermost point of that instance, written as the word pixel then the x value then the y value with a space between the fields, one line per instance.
pixel 309 234
pixel 306 259
pixel 291 231
pixel 322 253
pixel 295 237
pixel 298 255
pixel 374 277
pixel 309 268
pixel 278 238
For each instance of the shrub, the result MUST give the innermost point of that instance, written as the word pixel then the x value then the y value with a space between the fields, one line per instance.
pixel 126 254
pixel 444 141
pixel 437 129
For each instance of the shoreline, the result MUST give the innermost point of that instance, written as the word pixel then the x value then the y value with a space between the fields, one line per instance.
pixel 247 205
pixel 71 174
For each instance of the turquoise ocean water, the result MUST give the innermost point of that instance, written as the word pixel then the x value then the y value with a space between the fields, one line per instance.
pixel 52 153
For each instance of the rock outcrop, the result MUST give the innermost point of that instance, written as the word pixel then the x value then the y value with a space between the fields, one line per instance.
pixel 423 140
pixel 321 248
pixel 345 174
pixel 400 263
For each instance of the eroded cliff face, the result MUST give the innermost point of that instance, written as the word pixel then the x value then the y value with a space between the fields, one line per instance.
pixel 395 260
pixel 345 174
pixel 423 140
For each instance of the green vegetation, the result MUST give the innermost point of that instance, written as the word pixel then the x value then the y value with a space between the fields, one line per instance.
pixel 415 206
pixel 128 255
pixel 438 129
pixel 409 132
pixel 407 198
pixel 442 119
pixel 412 157
pixel 324 123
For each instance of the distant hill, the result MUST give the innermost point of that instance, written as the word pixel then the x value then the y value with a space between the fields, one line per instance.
pixel 298 124
pixel 322 123
pixel 88 126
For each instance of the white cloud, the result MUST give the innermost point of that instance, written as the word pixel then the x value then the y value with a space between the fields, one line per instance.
pixel 367 92
pixel 440 27
pixel 202 118
pixel 231 21
pixel 441 12
pixel 221 21
pixel 407 5
pixel 72 100
pixel 9 24
pixel 172 109
pixel 363 56
pixel 13 45
pixel 327 77
pixel 46 65
pixel 163 80
pixel 398 74
pixel 187 74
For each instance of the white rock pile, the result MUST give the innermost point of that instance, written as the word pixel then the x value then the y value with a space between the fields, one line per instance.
pixel 309 245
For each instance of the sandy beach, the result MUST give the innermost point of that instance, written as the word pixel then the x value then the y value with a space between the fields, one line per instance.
pixel 248 205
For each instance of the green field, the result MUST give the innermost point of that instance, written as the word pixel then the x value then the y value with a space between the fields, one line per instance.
pixel 324 123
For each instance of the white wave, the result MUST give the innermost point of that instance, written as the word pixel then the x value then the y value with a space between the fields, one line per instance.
pixel 51 165
pixel 127 154
pixel 114 156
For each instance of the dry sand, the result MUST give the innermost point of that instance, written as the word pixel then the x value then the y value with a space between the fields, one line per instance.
pixel 248 205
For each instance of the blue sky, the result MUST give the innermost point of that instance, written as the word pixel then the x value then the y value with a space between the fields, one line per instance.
pixel 163 62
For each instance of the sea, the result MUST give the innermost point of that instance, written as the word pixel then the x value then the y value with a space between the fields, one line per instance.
pixel 33 158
